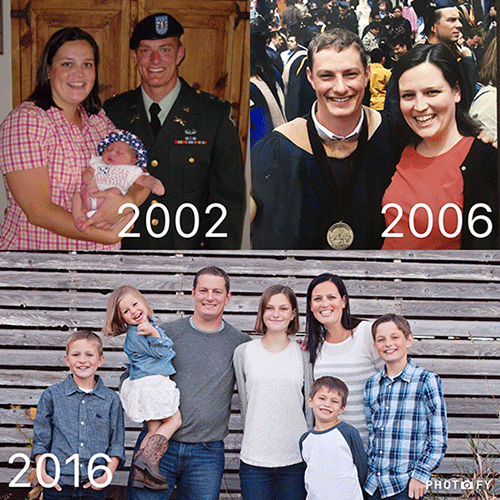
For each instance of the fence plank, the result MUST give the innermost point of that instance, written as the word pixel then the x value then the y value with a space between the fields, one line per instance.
pixel 452 300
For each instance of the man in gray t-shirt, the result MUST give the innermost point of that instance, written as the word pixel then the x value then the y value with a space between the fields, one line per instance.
pixel 204 344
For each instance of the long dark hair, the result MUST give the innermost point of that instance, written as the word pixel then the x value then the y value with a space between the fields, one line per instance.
pixel 315 331
pixel 42 94
pixel 488 72
pixel 261 64
pixel 443 58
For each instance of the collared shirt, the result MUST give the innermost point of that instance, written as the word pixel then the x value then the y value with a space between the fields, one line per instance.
pixel 165 104
pixel 149 355
pixel 326 134
pixel 406 419
pixel 285 55
pixel 31 138
pixel 70 421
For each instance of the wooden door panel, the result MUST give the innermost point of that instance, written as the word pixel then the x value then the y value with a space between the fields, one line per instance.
pixel 215 39
pixel 108 25
pixel 201 67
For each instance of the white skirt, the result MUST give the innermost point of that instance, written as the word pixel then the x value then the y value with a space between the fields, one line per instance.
pixel 149 398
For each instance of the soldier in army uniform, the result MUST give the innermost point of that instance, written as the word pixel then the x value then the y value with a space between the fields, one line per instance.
pixel 193 148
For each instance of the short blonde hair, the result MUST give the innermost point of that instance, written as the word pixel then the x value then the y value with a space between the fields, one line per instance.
pixel 339 39
pixel 85 335
pixel 114 323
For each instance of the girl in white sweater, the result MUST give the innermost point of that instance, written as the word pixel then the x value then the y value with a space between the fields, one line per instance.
pixel 272 374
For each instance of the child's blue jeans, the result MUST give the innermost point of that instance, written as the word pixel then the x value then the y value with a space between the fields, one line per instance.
pixel 402 495
pixel 272 483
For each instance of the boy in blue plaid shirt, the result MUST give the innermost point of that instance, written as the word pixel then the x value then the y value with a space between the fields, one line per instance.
pixel 406 416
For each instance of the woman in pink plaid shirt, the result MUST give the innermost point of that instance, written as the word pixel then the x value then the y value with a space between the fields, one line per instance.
pixel 45 145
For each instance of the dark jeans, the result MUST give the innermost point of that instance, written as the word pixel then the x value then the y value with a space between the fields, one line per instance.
pixel 72 493
pixel 402 495
pixel 272 483
pixel 195 468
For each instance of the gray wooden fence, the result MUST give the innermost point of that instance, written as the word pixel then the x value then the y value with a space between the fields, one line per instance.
pixel 452 300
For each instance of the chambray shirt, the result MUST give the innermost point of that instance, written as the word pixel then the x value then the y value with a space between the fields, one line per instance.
pixel 406 419
pixel 148 355
pixel 70 421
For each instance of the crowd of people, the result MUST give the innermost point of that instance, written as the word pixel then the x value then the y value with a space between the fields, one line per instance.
pixel 343 415
pixel 318 182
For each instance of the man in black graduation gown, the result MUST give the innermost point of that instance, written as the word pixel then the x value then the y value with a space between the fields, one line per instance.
pixel 329 196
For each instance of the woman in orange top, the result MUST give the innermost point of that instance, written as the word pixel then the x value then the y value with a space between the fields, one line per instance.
pixel 444 194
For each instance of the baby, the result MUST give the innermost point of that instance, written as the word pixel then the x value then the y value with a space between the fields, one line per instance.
pixel 120 164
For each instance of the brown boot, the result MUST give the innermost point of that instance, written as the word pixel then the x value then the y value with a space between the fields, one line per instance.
pixel 141 479
pixel 150 456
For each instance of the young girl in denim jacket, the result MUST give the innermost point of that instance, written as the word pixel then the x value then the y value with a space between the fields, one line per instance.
pixel 148 394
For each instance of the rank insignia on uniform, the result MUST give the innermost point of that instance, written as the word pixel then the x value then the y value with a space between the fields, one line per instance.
pixel 180 120
pixel 186 109
pixel 134 118
pixel 161 24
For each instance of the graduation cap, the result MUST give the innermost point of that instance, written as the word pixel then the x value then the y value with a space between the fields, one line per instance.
pixel 296 29
pixel 300 32
pixel 259 26
pixel 425 7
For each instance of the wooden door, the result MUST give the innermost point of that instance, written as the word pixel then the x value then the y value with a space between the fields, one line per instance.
pixel 216 34
pixel 108 23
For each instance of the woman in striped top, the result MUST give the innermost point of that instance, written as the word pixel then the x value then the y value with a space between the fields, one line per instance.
pixel 340 345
